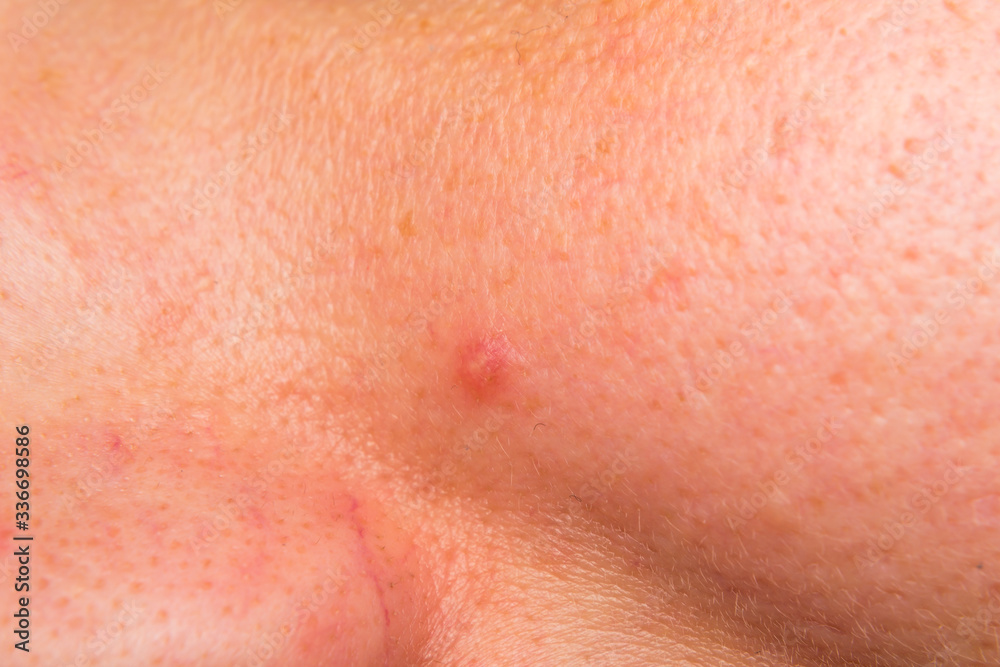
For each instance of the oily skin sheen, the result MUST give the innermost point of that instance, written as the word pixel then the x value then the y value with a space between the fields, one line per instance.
pixel 628 333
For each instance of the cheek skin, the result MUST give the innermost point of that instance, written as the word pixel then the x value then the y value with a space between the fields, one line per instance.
pixel 835 549
pixel 194 552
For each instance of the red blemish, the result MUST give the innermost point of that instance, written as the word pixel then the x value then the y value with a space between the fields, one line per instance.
pixel 368 560
pixel 484 366
pixel 117 455
pixel 12 171
pixel 259 520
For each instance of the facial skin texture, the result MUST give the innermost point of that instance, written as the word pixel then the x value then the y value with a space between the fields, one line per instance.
pixel 503 334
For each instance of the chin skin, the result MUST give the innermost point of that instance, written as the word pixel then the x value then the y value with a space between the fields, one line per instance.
pixel 607 333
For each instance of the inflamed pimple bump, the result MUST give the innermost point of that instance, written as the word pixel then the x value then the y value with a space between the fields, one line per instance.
pixel 484 365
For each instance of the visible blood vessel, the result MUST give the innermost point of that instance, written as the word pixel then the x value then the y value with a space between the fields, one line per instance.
pixel 484 366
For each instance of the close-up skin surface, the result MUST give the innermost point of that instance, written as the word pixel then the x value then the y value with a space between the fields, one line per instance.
pixel 605 332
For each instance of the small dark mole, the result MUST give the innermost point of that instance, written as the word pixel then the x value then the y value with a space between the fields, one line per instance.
pixel 980 566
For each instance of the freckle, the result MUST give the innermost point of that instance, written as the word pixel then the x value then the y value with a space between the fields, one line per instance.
pixel 897 171
pixel 406 226
pixel 205 585
pixel 161 615
pixel 136 587
pixel 953 7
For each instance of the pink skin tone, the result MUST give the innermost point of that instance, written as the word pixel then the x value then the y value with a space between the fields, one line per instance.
pixel 584 333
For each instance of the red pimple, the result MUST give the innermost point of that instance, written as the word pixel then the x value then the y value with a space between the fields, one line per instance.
pixel 12 172
pixel 484 365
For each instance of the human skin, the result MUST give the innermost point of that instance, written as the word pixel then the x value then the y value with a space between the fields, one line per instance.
pixel 535 334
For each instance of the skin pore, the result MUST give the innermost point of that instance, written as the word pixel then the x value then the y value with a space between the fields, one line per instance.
pixel 542 333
